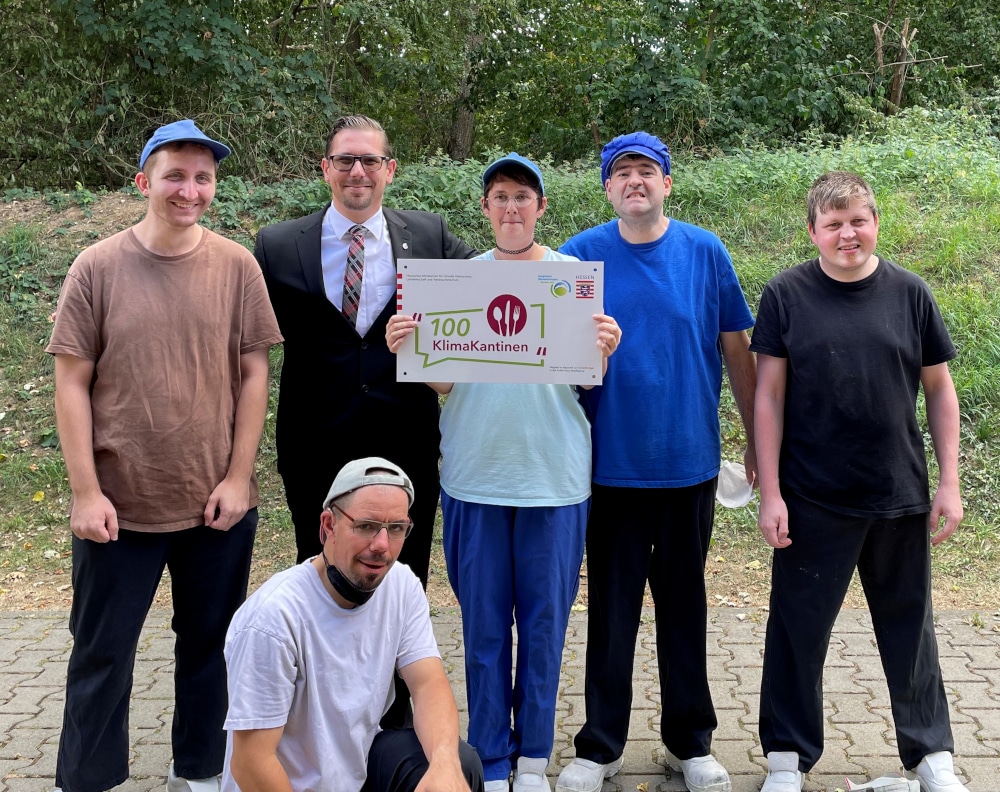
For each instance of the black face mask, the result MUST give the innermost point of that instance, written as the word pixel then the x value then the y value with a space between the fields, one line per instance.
pixel 344 587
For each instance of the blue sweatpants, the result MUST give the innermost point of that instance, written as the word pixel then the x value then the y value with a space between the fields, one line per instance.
pixel 513 565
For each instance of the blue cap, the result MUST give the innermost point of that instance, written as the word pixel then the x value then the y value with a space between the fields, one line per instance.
pixel 641 143
pixel 518 161
pixel 183 132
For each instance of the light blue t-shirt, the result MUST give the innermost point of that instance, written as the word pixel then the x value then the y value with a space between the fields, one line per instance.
pixel 656 416
pixel 512 444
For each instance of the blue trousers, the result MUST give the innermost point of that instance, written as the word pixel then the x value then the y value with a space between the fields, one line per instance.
pixel 809 580
pixel 662 534
pixel 513 565
pixel 113 588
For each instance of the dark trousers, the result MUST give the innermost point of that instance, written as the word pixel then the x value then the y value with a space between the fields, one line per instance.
pixel 809 580
pixel 663 534
pixel 306 489
pixel 397 763
pixel 113 588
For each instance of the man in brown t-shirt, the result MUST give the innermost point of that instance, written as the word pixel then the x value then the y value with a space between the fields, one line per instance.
pixel 161 340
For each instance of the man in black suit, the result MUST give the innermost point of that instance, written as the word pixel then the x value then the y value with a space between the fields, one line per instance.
pixel 332 280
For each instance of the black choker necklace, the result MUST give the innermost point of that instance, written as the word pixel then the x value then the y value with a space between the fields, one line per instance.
pixel 517 252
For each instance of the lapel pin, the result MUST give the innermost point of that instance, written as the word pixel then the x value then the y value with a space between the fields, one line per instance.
pixel 406 246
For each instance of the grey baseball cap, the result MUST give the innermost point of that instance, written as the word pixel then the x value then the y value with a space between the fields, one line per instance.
pixel 365 472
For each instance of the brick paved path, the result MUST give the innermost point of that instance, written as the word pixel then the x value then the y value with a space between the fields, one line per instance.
pixel 859 738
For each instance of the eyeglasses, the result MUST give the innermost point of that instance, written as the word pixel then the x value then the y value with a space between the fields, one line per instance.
pixel 345 162
pixel 522 201
pixel 369 529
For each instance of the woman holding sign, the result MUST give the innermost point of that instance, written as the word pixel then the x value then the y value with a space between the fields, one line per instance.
pixel 515 494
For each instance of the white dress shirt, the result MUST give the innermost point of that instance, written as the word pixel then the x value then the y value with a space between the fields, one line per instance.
pixel 379 280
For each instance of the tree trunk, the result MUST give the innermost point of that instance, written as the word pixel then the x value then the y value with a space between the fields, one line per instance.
pixel 462 128
pixel 903 60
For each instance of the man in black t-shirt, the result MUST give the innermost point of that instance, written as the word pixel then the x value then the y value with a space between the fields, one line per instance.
pixel 843 343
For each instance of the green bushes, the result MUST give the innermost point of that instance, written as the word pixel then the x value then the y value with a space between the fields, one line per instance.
pixel 83 82
pixel 936 175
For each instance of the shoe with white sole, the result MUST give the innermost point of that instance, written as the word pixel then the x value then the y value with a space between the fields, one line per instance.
pixel 529 775
pixel 177 784
pixel 889 783
pixel 702 773
pixel 582 775
pixel 497 786
pixel 936 773
pixel 783 773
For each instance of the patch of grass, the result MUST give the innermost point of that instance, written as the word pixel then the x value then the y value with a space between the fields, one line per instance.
pixel 20 280
pixel 972 313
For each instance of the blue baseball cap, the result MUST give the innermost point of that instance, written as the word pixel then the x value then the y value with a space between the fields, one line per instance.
pixel 518 161
pixel 183 132
pixel 641 143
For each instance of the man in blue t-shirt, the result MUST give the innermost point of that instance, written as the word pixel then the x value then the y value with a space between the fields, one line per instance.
pixel 674 292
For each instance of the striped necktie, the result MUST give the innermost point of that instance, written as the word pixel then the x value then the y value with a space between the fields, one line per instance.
pixel 353 274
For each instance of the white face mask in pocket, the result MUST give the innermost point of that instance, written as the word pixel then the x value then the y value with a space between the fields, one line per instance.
pixel 734 491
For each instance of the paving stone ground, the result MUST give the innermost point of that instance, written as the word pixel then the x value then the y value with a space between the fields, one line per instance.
pixel 860 743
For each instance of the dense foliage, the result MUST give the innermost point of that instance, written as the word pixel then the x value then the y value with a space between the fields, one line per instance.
pixel 83 81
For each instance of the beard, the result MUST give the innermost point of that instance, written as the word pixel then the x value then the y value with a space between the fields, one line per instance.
pixel 355 202
pixel 369 581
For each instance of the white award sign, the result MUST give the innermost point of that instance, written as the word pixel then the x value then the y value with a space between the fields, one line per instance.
pixel 500 321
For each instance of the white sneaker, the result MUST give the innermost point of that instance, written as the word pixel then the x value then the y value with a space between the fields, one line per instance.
pixel 497 786
pixel 529 776
pixel 782 772
pixel 893 783
pixel 177 784
pixel 936 773
pixel 582 775
pixel 701 774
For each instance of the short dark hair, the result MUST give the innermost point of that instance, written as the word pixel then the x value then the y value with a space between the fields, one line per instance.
pixel 359 122
pixel 836 190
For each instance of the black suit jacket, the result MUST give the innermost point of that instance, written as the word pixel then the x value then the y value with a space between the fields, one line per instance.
pixel 338 394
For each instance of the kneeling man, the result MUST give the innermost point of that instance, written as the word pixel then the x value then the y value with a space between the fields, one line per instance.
pixel 311 657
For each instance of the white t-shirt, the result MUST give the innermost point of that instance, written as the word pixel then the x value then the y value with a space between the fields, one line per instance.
pixel 297 659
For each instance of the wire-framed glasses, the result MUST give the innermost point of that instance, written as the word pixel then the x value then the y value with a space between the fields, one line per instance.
pixel 521 200
pixel 369 529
